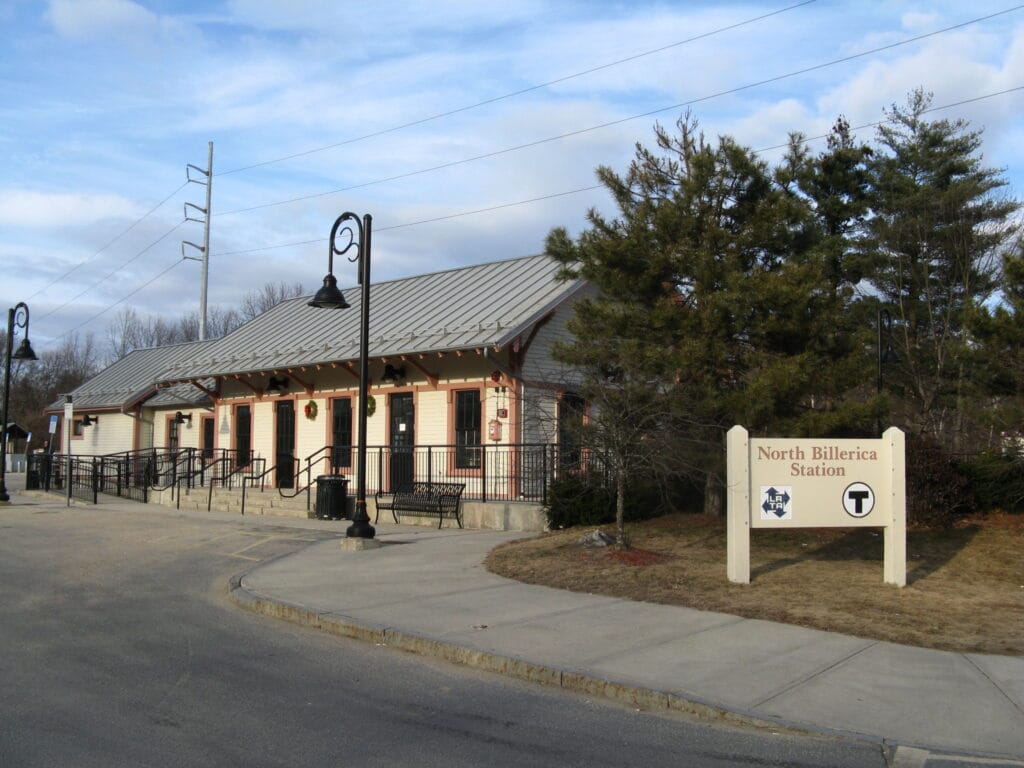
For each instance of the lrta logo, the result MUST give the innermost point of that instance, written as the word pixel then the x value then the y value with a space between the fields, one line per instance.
pixel 776 502
pixel 858 500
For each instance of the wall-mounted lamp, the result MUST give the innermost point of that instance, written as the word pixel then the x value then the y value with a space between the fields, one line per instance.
pixel 277 385
pixel 88 421
pixel 181 418
pixel 392 374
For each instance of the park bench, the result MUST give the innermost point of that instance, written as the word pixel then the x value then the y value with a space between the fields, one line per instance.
pixel 440 499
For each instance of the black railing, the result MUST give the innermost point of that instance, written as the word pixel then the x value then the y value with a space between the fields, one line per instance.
pixel 517 472
pixel 55 473
pixel 133 474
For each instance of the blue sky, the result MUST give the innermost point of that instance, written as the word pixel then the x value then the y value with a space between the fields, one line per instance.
pixel 104 102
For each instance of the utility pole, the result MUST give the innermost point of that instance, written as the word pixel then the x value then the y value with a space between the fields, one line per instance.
pixel 205 247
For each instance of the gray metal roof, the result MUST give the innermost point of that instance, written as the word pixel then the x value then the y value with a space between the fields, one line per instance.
pixel 134 377
pixel 471 307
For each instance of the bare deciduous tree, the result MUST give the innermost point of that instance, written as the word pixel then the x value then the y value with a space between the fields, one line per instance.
pixel 257 302
pixel 35 385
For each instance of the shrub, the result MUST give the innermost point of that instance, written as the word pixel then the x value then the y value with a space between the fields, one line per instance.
pixel 938 491
pixel 997 481
pixel 585 499
pixel 579 499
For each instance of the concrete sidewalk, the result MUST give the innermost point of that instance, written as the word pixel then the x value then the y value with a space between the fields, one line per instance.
pixel 426 591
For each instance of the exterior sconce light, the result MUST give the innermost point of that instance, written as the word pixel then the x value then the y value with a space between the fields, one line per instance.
pixel 277 385
pixel 393 374
pixel 181 418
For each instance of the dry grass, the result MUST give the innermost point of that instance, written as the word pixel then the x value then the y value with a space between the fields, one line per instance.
pixel 965 588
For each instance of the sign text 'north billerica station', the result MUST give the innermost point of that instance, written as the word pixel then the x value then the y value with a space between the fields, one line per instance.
pixel 822 458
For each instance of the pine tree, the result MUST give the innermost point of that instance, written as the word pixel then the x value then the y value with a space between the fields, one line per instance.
pixel 1000 369
pixel 718 294
pixel 938 230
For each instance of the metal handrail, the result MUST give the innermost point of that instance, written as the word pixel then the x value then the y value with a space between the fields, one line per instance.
pixel 260 477
pixel 175 467
pixel 490 471
pixel 325 452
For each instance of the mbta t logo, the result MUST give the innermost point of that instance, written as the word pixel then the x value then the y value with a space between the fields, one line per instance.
pixel 858 500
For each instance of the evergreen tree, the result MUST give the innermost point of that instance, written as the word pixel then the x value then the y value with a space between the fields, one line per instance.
pixel 715 295
pixel 1001 357
pixel 835 184
pixel 936 236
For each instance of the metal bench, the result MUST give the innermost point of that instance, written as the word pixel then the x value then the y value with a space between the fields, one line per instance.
pixel 441 499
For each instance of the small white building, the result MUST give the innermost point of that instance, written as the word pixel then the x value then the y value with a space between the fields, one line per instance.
pixel 463 387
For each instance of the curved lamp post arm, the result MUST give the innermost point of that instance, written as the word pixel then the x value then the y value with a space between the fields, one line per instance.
pixel 354 233
pixel 17 317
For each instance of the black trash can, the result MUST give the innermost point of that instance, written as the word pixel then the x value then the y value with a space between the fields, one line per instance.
pixel 331 491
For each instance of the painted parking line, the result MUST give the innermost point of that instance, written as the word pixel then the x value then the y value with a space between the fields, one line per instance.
pixel 912 757
pixel 263 540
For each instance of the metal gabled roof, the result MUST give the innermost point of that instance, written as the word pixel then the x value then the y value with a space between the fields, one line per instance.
pixel 134 378
pixel 470 307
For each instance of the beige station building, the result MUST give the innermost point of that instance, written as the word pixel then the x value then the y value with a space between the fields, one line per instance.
pixel 462 386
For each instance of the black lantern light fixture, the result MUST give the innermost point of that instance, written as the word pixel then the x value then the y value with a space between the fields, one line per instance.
pixel 182 418
pixel 277 385
pixel 17 317
pixel 88 421
pixel 329 296
pixel 392 374
pixel 358 234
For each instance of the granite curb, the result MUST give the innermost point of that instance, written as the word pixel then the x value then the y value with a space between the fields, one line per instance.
pixel 574 681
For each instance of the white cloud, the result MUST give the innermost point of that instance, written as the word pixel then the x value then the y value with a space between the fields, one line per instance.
pixel 100 19
pixel 26 208
pixel 103 122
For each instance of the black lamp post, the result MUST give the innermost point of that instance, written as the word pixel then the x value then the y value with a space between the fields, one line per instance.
pixel 329 297
pixel 17 317
pixel 889 356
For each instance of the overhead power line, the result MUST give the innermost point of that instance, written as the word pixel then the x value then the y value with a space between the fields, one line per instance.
pixel 550 139
pixel 420 121
pixel 620 121
pixel 114 271
pixel 520 92
pixel 96 253
pixel 125 298
pixel 876 123
pixel 446 217
pixel 460 214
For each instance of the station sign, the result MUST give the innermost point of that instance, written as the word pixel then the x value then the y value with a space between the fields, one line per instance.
pixel 816 483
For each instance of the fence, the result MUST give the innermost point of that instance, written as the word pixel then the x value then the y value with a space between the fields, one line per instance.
pixel 130 474
pixel 517 472
pixel 51 473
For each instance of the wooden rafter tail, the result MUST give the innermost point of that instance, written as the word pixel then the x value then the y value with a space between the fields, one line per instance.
pixel 432 378
pixel 305 385
pixel 208 392
pixel 256 390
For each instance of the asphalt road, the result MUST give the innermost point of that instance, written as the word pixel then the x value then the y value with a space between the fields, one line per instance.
pixel 119 647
